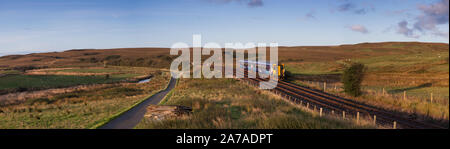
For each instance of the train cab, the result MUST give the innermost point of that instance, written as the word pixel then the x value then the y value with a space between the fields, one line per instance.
pixel 270 68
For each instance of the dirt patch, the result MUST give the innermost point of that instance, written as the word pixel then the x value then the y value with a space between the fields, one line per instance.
pixel 155 112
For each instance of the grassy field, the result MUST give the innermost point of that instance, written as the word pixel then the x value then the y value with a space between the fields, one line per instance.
pixel 83 109
pixel 227 103
pixel 9 72
pixel 418 69
pixel 414 104
pixel 314 68
pixel 141 57
pixel 39 79
pixel 39 82
pixel 98 70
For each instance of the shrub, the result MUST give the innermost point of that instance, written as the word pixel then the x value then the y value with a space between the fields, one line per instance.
pixel 352 78
pixel 91 53
pixel 112 57
pixel 67 95
pixel 25 68
pixel 82 59
pixel 93 60
pixel 125 91
pixel 38 100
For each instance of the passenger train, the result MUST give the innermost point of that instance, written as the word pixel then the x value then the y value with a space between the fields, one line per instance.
pixel 272 69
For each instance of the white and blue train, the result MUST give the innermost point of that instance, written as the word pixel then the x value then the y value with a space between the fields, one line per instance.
pixel 270 68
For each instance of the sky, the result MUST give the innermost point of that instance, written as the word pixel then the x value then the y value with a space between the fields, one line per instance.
pixel 30 26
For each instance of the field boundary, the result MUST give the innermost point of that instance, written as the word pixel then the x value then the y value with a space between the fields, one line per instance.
pixel 166 98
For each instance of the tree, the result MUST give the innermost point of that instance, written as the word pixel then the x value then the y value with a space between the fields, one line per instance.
pixel 352 79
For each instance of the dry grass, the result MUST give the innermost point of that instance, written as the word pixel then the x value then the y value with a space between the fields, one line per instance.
pixel 417 68
pixel 228 104
pixel 85 57
pixel 394 66
pixel 82 109
pixel 425 110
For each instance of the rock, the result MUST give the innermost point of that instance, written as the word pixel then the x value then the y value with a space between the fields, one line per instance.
pixel 156 112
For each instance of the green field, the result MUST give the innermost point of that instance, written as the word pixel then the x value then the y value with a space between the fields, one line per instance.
pixel 88 70
pixel 412 63
pixel 31 82
pixel 9 72
pixel 314 68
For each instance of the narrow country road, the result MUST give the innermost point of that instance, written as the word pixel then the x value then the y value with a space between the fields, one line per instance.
pixel 131 118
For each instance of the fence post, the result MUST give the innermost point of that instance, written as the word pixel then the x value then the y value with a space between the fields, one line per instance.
pixel 324 86
pixel 383 91
pixel 320 112
pixel 431 98
pixel 404 95
pixel 375 119
pixel 395 125
pixel 357 117
pixel 343 114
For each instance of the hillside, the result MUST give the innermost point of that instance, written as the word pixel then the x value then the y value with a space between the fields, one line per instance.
pixel 394 69
pixel 161 55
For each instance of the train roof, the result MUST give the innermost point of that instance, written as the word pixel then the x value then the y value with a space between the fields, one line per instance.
pixel 256 62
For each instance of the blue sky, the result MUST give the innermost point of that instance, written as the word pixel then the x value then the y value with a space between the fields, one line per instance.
pixel 28 26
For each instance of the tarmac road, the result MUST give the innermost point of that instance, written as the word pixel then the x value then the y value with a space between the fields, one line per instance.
pixel 132 117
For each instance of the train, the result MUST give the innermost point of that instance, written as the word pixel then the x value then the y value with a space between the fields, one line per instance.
pixel 272 69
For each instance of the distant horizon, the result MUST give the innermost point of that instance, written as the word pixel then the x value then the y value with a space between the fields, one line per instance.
pixel 30 26
pixel 154 47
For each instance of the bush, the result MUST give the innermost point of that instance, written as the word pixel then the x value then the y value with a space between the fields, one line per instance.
pixel 352 79
pixel 25 68
pixel 91 53
pixel 125 91
pixel 93 60
pixel 112 57
pixel 161 62
pixel 67 95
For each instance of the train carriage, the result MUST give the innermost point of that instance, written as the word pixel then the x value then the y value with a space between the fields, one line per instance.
pixel 271 69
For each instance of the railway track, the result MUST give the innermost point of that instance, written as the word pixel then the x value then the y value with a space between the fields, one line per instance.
pixel 333 104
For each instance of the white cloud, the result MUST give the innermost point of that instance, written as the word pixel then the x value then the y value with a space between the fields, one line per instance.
pixel 404 30
pixel 249 3
pixel 431 16
pixel 350 6
pixel 359 28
